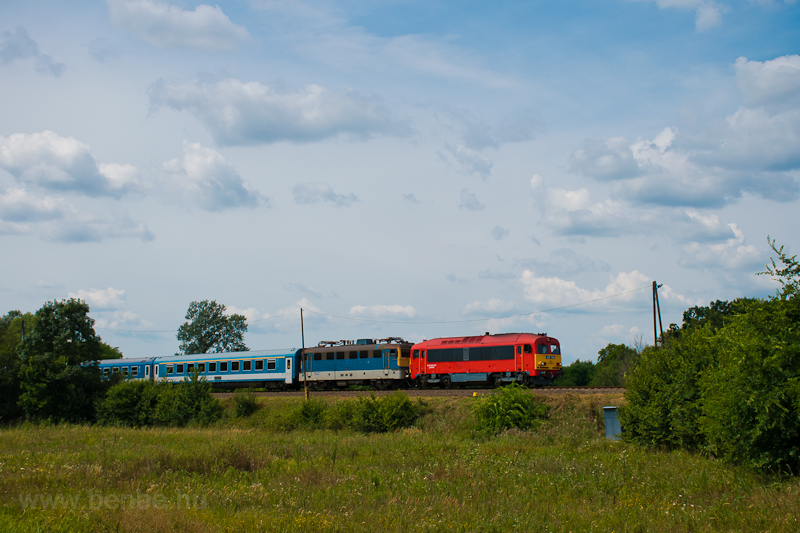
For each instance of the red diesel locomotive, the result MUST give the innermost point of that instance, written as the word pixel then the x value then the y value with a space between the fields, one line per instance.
pixel 531 359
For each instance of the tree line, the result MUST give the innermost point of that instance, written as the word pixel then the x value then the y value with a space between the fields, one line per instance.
pixel 49 371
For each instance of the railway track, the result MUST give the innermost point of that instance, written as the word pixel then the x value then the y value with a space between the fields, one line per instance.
pixel 423 393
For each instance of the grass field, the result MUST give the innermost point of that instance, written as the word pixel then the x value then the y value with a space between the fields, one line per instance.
pixel 247 474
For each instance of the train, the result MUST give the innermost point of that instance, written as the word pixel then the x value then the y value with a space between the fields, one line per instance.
pixel 526 358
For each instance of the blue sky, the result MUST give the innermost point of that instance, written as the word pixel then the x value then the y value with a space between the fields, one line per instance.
pixel 405 168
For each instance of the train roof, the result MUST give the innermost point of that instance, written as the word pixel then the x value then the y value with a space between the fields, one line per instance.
pixel 252 354
pixel 127 361
pixel 499 338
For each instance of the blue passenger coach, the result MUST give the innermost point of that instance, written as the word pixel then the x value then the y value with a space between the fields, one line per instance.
pixel 262 368
pixel 141 368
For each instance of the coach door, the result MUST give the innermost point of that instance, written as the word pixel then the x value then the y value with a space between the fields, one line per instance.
pixel 387 357
pixel 289 370
pixel 146 371
pixel 519 364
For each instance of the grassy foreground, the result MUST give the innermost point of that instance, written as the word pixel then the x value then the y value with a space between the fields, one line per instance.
pixel 248 475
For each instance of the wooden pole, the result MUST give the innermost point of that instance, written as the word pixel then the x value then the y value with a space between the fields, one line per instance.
pixel 303 354
pixel 655 332
pixel 658 306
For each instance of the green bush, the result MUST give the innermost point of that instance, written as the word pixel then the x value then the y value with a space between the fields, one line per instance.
pixel 385 413
pixel 244 403
pixel 311 413
pixel 187 402
pixel 751 398
pixel 129 403
pixel 512 406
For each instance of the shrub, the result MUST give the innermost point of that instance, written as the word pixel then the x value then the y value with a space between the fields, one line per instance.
pixel 244 402
pixel 385 413
pixel 512 406
pixel 189 401
pixel 311 412
pixel 751 398
pixel 129 403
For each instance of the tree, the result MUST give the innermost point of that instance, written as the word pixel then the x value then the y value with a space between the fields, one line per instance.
pixel 57 379
pixel 209 328
pixel 613 363
pixel 11 328
pixel 788 276
pixel 578 374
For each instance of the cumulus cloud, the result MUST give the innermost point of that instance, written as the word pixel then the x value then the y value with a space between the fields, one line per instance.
pixel 102 299
pixel 315 192
pixel 60 163
pixel 56 219
pixel 240 113
pixel 619 334
pixel 167 26
pixel 755 150
pixel 622 288
pixel 729 255
pixel 111 306
pixel 206 179
pixel 469 201
pixel 17 44
pixel 499 233
pixel 380 311
pixel 572 212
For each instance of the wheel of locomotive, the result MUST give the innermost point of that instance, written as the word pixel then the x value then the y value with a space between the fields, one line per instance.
pixel 498 381
pixel 446 382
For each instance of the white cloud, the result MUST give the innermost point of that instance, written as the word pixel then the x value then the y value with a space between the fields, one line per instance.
pixel 315 192
pixel 60 163
pixel 625 287
pixel 206 179
pixel 469 201
pixel 240 113
pixel 56 219
pixel 102 299
pixel 471 161
pixel 121 320
pixel 167 26
pixel 728 255
pixel 774 83
pixel 18 44
pixel 380 310
pixel 755 150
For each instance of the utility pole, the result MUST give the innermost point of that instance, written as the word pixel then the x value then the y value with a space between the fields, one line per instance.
pixel 657 312
pixel 303 352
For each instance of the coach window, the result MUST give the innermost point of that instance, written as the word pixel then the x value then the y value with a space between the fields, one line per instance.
pixel 339 355
pixel 134 371
pixel 190 367
pixel 377 354
pixel 212 367
pixel 416 354
pixel 363 354
pixel 234 366
pixel 223 367
pixel 329 356
pixel 317 357
pixel 542 348
pixel 201 367
pixel 105 372
pixel 519 350
pixel 179 369
pixel 124 370
pixel 247 365
pixel 260 364
pixel 272 364
pixel 352 355
pixel 528 348
pixel 554 348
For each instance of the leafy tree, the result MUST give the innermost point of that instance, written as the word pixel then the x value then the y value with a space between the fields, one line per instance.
pixel 751 396
pixel 577 374
pixel 57 379
pixel 209 328
pixel 11 325
pixel 109 352
pixel 788 275
pixel 613 363
pixel 188 402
